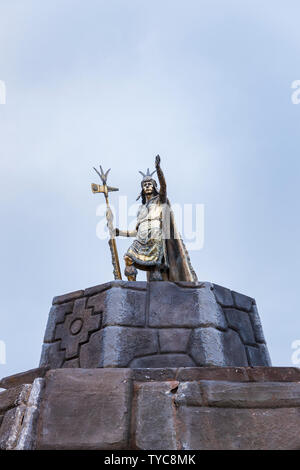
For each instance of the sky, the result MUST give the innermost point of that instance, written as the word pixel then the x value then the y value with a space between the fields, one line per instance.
pixel 207 85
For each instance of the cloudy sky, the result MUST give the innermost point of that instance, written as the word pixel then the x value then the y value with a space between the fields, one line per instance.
pixel 207 85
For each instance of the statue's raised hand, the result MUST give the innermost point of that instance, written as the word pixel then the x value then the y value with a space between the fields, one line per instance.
pixel 157 160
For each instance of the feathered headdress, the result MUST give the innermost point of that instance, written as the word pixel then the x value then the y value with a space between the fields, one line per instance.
pixel 147 177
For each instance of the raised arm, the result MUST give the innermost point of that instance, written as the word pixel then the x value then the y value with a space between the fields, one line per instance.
pixel 161 179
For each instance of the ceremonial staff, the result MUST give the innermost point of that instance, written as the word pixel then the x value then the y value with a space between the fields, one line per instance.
pixel 97 188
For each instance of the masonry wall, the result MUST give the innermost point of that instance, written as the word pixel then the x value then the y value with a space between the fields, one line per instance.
pixel 156 324
pixel 113 408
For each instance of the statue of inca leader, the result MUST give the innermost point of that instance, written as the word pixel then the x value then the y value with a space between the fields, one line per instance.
pixel 158 247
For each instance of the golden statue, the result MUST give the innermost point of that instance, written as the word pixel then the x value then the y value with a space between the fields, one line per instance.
pixel 158 247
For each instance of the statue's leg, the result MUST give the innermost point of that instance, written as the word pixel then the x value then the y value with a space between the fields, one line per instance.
pixel 130 270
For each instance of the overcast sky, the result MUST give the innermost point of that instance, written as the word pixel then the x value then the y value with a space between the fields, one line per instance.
pixel 207 85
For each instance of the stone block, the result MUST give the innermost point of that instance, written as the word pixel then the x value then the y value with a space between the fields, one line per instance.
pixel 223 296
pixel 76 328
pixel 258 356
pixel 23 378
pixel 90 351
pixel 242 302
pixel 120 345
pixel 233 374
pixel 189 394
pixel 154 418
pixel 234 350
pixel 57 315
pixel 172 306
pixel 210 312
pixel 240 321
pixel 273 374
pixel 85 410
pixel 174 339
pixel 14 396
pixel 27 435
pixel 251 394
pixel 11 426
pixel 153 375
pixel 239 429
pixel 256 324
pixel 61 299
pixel 52 356
pixel 125 307
pixel 98 302
pixel 206 347
pixel 163 360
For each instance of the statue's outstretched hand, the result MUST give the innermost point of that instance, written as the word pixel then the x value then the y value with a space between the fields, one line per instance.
pixel 157 160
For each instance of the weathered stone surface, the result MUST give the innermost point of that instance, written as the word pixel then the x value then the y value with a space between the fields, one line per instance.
pixel 52 356
pixel 265 355
pixel 173 339
pixel 256 324
pixel 135 285
pixel 97 302
pixel 273 374
pixel 234 350
pixel 189 284
pixel 153 375
pixel 122 344
pixel 240 321
pixel 14 396
pixel 223 296
pixel 251 394
pixel 61 299
pixel 163 360
pixel 242 302
pixel 206 347
pixel 154 426
pixel 234 374
pixel 99 288
pixel 189 394
pixel 239 429
pixel 11 427
pixel 90 351
pixel 125 307
pixel 56 315
pixel 172 306
pixel 210 313
pixel 27 436
pixel 258 356
pixel 72 363
pixel 76 328
pixel 23 378
pixel 85 409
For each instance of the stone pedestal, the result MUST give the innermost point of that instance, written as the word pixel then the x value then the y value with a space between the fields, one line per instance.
pixel 156 324
pixel 194 353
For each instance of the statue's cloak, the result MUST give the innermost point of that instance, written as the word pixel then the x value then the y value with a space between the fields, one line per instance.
pixel 176 254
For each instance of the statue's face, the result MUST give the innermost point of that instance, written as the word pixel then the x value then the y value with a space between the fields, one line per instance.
pixel 148 187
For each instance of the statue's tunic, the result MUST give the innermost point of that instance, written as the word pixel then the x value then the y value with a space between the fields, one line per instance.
pixel 148 249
